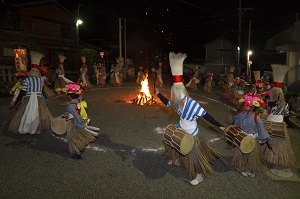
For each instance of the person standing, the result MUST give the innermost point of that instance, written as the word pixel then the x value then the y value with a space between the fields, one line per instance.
pixel 208 82
pixel 197 162
pixel 32 116
pixel 79 135
pixel 101 75
pixel 159 80
pixel 194 81
pixel 283 154
pixel 140 75
pixel 250 123
pixel 61 80
pixel 84 78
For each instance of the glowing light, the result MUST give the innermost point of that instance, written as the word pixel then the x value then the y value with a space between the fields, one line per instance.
pixel 79 22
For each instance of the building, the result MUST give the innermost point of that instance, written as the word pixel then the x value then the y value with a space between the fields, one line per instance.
pixel 288 43
pixel 220 54
pixel 33 26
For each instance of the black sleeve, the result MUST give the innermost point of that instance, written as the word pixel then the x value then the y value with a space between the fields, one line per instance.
pixel 271 104
pixel 212 120
pixel 20 96
pixel 163 99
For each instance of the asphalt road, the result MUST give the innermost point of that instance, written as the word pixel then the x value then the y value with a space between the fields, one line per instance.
pixel 126 160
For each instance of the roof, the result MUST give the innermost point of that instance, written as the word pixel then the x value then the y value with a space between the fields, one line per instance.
pixel 288 40
pixel 43 2
pixel 215 40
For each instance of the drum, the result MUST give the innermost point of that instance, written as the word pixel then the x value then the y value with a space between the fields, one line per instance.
pixel 197 81
pixel 178 139
pixel 239 138
pixel 276 129
pixel 59 125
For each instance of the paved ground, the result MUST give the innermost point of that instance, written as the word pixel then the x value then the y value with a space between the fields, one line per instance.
pixel 126 160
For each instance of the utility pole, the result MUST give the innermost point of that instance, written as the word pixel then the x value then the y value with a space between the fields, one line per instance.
pixel 240 9
pixel 249 62
pixel 125 49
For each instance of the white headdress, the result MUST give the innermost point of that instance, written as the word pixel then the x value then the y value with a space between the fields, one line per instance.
pixel 35 62
pixel 83 60
pixel 178 90
pixel 276 92
pixel 61 59
pixel 176 64
pixel 279 72
pixel 36 58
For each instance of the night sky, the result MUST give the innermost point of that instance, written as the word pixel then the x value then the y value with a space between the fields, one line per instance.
pixel 180 25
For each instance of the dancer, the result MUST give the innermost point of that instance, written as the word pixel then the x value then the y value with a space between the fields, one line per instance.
pixel 197 162
pixel 79 134
pixel 101 75
pixel 140 75
pixel 208 82
pixel 251 124
pixel 117 76
pixel 33 116
pixel 84 78
pixel 159 80
pixel 61 80
pixel 194 81
pixel 283 154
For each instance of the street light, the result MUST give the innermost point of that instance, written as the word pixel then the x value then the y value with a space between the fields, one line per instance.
pixel 78 22
pixel 249 62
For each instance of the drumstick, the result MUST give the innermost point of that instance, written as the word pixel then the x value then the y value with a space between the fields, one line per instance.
pixel 270 147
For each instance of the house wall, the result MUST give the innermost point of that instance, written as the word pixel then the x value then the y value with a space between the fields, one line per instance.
pixel 49 20
pixel 220 44
pixel 292 80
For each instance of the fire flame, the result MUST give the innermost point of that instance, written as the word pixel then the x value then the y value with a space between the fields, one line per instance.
pixel 144 95
pixel 145 88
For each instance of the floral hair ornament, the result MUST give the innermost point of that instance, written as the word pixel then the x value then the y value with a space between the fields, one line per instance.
pixel 74 88
pixel 252 99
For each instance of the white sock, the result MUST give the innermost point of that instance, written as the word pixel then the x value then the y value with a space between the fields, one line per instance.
pixel 197 180
pixel 199 177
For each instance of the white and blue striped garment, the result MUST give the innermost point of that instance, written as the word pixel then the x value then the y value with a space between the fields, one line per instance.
pixel 33 84
pixel 192 110
pixel 280 111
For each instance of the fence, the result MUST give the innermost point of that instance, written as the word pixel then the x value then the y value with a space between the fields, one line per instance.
pixel 7 74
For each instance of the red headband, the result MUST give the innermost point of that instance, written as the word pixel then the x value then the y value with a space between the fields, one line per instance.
pixel 278 84
pixel 177 78
pixel 35 66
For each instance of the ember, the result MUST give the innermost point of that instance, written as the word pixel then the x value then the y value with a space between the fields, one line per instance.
pixel 144 98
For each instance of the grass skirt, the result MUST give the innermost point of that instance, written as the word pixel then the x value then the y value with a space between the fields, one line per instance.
pixel 202 153
pixel 48 92
pixel 78 137
pixel 44 115
pixel 89 85
pixel 59 83
pixel 246 161
pixel 284 155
